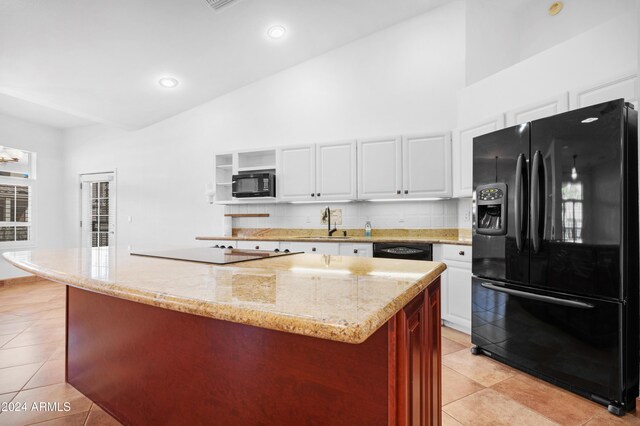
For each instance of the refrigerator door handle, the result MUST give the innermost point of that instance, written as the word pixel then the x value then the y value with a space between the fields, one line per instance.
pixel 538 297
pixel 535 201
pixel 519 201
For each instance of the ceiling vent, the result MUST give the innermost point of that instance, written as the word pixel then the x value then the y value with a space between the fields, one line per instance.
pixel 219 4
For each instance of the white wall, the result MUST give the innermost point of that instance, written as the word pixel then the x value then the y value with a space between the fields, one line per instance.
pixel 492 39
pixel 400 80
pixel 406 214
pixel 606 51
pixel 539 31
pixel 48 207
pixel 500 35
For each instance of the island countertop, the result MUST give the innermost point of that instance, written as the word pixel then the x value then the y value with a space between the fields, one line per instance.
pixel 340 298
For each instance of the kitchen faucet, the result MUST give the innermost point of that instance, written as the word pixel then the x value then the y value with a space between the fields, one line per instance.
pixel 327 215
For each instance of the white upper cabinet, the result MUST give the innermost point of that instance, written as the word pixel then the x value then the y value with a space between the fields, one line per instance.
pixel 336 171
pixel 380 168
pixel 426 165
pixel 462 150
pixel 626 87
pixel 296 174
pixel 538 110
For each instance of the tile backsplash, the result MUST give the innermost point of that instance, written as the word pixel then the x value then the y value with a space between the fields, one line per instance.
pixel 410 214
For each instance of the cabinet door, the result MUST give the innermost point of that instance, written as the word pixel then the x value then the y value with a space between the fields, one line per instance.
pixel 626 87
pixel 259 245
pixel 311 247
pixel 426 166
pixel 379 168
pixel 538 110
pixel 458 298
pixel 358 249
pixel 462 151
pixel 336 171
pixel 296 177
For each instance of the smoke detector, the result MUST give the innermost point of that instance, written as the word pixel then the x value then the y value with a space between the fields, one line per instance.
pixel 555 8
pixel 219 4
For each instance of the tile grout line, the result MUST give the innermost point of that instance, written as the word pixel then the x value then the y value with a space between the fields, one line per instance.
pixel 88 412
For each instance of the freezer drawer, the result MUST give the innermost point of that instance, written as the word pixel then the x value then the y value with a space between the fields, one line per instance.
pixel 573 342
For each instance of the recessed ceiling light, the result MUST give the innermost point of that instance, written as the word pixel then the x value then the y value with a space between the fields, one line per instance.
pixel 590 120
pixel 276 32
pixel 168 82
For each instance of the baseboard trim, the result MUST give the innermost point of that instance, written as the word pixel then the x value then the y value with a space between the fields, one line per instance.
pixel 19 280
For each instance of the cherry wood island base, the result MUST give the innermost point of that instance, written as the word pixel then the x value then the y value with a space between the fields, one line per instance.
pixel 148 365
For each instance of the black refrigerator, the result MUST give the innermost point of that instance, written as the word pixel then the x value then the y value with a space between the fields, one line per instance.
pixel 555 251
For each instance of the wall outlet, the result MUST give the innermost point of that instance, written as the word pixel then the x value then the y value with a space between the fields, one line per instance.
pixel 467 216
pixel 336 217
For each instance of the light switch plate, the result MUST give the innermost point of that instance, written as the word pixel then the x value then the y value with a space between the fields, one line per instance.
pixel 336 217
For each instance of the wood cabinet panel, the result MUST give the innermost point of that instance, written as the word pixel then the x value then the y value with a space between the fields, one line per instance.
pixel 418 360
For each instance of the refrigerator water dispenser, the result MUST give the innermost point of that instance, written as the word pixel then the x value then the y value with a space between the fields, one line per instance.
pixel 492 209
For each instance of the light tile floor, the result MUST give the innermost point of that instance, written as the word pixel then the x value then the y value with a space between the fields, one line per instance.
pixel 475 390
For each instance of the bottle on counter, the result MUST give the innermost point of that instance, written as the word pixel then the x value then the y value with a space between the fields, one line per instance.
pixel 367 229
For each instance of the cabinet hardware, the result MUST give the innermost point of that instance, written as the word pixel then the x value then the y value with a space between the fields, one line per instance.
pixel 355 251
pixel 461 253
pixel 398 192
pixel 313 249
pixel 318 194
pixel 406 191
pixel 313 195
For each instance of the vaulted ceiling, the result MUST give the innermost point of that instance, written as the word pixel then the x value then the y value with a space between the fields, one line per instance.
pixel 73 62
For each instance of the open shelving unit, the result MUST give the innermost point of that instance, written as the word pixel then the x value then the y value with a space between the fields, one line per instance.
pixel 228 164
pixel 224 172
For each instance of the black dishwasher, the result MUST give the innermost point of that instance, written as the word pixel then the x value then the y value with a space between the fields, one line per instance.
pixel 403 251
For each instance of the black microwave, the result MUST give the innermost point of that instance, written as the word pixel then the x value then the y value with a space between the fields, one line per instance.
pixel 253 185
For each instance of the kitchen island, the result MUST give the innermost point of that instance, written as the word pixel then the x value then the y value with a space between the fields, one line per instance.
pixel 300 339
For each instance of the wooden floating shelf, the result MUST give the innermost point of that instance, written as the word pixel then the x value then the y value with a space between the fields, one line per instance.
pixel 247 215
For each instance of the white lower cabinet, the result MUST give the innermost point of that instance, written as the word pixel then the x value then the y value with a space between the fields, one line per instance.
pixel 218 243
pixel 356 249
pixel 456 285
pixel 310 247
pixel 259 245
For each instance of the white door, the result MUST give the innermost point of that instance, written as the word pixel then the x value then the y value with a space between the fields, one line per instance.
pixel 98 207
pixel 336 171
pixel 296 176
pixel 626 87
pixel 462 152
pixel 380 168
pixel 426 166
pixel 538 110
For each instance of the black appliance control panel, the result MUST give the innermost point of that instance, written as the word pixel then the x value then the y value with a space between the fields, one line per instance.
pixel 492 209
pixel 490 194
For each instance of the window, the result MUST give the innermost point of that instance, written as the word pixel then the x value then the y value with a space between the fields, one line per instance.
pixel 15 213
pixel 100 214
pixel 572 212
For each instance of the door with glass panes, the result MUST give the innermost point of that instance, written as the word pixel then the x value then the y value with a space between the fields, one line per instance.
pixel 98 225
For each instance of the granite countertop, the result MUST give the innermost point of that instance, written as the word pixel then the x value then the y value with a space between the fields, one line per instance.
pixel 340 239
pixel 340 298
